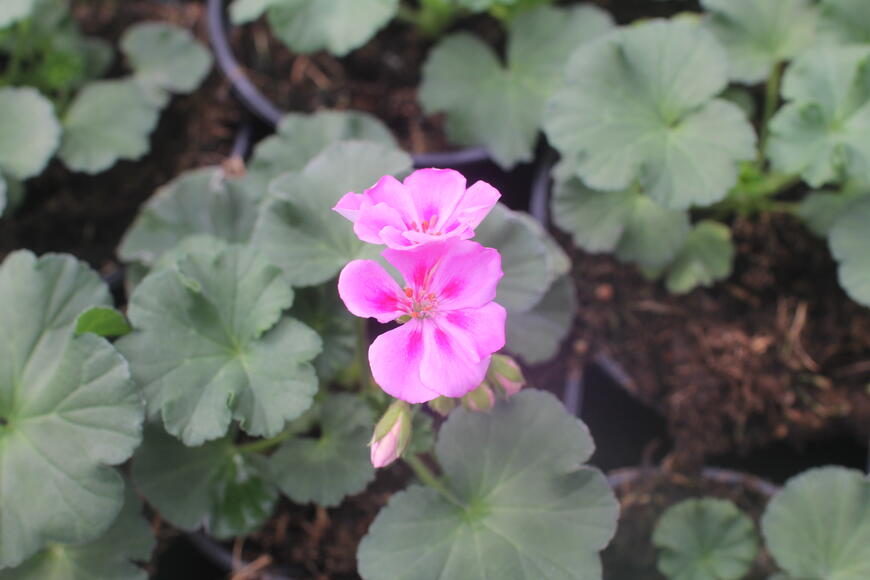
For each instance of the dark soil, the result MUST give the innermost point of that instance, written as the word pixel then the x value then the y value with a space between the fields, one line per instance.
pixel 631 555
pixel 777 351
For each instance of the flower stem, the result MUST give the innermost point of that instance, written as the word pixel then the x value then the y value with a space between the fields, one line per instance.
pixel 265 444
pixel 771 100
pixel 425 475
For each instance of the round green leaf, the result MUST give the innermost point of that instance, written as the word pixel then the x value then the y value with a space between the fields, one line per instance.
pixel 821 133
pixel 165 56
pixel 243 11
pixel 638 105
pixel 758 34
pixel 297 229
pixel 68 409
pixel 536 335
pixel 214 485
pixel 102 321
pixel 107 121
pixel 464 77
pixel 211 346
pixel 300 137
pixel 821 209
pixel 202 201
pixel 29 132
pixel 818 526
pixel 325 469
pixel 845 21
pixel 530 509
pixel 338 26
pixel 705 539
pixel 321 308
pixel 11 11
pixel 850 245
pixel 109 557
pixel 706 257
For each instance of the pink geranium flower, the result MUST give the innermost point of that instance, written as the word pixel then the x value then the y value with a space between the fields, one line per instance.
pixel 453 326
pixel 430 205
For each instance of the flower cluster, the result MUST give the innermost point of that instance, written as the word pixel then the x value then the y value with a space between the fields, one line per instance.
pixel 449 325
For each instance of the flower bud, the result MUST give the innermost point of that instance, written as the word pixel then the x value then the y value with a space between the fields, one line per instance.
pixel 442 405
pixel 504 375
pixel 480 399
pixel 392 434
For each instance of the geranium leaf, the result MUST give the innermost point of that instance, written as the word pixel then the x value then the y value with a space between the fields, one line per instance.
pixel 300 137
pixel 202 201
pixel 535 335
pixel 68 409
pixel 530 508
pixel 107 121
pixel 464 77
pixel 705 539
pixel 849 241
pixel 165 56
pixel 338 26
pixel 320 308
pixel 818 526
pixel 758 34
pixel 706 257
pixel 336 463
pixel 211 346
pixel 628 223
pixel 845 21
pixel 821 209
pixel 102 321
pixel 243 11
pixel 29 132
pixel 109 557
pixel 297 229
pixel 213 485
pixel 634 108
pixel 821 132
pixel 11 11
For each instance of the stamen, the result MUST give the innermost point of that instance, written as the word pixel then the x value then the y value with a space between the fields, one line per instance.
pixel 409 292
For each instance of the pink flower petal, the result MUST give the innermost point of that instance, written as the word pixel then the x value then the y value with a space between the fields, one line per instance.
pixel 482 328
pixel 476 204
pixel 461 273
pixel 372 219
pixel 450 365
pixel 368 291
pixel 395 358
pixel 436 192
pixel 349 205
pixel 392 192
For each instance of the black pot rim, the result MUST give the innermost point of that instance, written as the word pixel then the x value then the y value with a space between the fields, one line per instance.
pixel 258 104
pixel 759 485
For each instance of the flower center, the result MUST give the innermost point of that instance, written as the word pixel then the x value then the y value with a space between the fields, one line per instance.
pixel 422 305
pixel 425 225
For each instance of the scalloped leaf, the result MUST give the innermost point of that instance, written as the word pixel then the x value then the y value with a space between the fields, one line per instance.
pixel 211 346
pixel 106 122
pixel 849 241
pixel 103 321
pixel 638 106
pixel 758 34
pixel 463 77
pixel 336 463
pixel 705 539
pixel 338 26
pixel 630 224
pixel 537 334
pixel 706 257
pixel 845 21
pixel 201 201
pixel 820 209
pixel 29 132
pixel 530 508
pixel 301 137
pixel 818 525
pixel 214 485
pixel 68 409
pixel 109 557
pixel 821 132
pixel 165 56
pixel 320 308
pixel 297 229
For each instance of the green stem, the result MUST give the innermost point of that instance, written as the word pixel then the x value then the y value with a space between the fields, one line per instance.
pixel 771 101
pixel 362 348
pixel 266 444
pixel 425 475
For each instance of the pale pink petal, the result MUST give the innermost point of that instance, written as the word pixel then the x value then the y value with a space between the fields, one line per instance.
pixel 372 219
pixel 414 264
pixel 481 328
pixel 395 358
pixel 436 193
pixel 349 205
pixel 396 238
pixel 392 192
pixel 450 366
pixel 477 202
pixel 368 291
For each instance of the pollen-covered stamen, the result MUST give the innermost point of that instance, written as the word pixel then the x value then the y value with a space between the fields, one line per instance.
pixel 421 305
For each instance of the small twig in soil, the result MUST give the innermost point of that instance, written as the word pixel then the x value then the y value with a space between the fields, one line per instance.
pixel 251 571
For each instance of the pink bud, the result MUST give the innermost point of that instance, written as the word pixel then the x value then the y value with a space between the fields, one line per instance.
pixel 505 374
pixel 480 399
pixel 392 435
